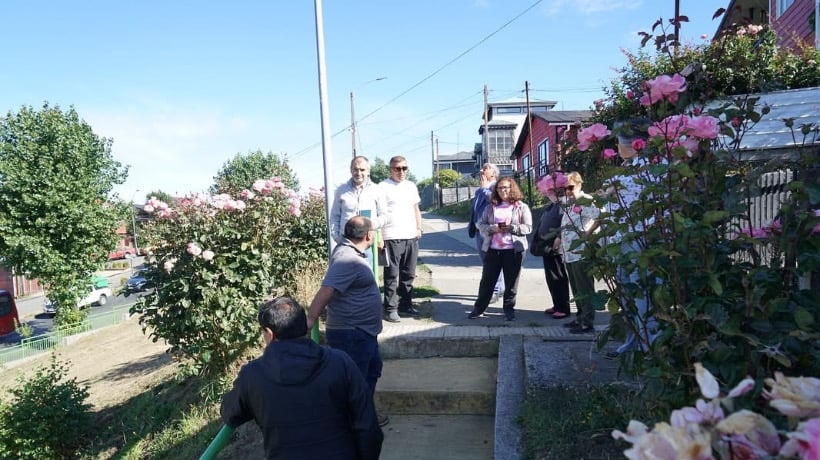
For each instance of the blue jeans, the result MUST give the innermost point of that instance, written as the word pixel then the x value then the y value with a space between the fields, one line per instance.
pixel 363 348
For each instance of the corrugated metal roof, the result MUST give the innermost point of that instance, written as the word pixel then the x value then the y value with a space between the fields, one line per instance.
pixel 771 132
pixel 564 116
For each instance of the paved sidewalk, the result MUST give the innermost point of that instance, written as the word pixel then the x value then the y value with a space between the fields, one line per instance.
pixel 450 254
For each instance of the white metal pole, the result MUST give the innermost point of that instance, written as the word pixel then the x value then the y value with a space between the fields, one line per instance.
pixel 327 154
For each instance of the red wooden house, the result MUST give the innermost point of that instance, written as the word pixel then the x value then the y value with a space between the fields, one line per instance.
pixel 547 130
pixel 794 21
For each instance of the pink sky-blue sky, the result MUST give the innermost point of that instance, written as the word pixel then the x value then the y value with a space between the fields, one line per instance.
pixel 183 86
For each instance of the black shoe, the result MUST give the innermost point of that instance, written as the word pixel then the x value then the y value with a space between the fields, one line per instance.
pixel 611 355
pixel 409 311
pixel 582 330
pixel 475 315
pixel 573 323
pixel 510 318
pixel 391 317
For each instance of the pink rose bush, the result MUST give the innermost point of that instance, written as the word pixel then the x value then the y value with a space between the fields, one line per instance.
pixel 590 134
pixel 706 432
pixel 214 258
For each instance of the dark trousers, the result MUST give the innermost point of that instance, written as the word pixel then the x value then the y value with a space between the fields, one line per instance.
pixel 400 273
pixel 497 261
pixel 363 348
pixel 557 281
pixel 583 286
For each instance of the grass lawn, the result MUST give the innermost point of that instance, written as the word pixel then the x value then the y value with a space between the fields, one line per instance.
pixel 576 422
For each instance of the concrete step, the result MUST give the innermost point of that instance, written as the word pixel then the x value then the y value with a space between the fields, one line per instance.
pixel 445 437
pixel 438 386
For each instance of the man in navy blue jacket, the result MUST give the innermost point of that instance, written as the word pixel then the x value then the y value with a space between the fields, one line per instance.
pixel 310 402
pixel 487 179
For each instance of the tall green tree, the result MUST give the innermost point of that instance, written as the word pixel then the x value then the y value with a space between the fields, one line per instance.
pixel 160 195
pixel 56 221
pixel 379 171
pixel 242 170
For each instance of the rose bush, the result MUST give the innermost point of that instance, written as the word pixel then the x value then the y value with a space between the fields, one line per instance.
pixel 214 258
pixel 724 288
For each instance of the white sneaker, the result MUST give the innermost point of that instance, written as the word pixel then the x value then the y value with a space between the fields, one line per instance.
pixel 496 296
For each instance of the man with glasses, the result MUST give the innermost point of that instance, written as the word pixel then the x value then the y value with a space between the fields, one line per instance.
pixel 487 178
pixel 401 232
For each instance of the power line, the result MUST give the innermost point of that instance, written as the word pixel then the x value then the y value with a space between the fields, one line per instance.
pixel 431 75
pixel 464 53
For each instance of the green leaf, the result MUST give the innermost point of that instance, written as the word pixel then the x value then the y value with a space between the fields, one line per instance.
pixel 803 318
pixel 712 217
pixel 714 283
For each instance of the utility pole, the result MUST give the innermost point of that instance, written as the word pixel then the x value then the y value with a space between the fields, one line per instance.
pixel 485 149
pixel 532 147
pixel 433 169
pixel 352 126
pixel 438 169
pixel 677 23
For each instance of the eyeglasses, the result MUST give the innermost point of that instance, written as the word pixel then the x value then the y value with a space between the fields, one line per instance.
pixel 400 168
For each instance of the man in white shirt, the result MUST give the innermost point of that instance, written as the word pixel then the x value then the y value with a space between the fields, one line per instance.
pixel 401 232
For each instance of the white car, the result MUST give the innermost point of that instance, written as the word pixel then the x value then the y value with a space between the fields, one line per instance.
pixel 95 296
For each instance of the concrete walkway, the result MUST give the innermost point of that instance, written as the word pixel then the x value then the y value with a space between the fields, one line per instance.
pixel 534 351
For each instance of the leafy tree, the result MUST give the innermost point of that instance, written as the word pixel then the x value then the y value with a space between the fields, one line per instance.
pixel 56 222
pixel 240 172
pixel 165 197
pixel 379 171
pixel 47 417
pixel 448 178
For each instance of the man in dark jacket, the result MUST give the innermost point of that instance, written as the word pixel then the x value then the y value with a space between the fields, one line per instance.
pixel 487 177
pixel 310 402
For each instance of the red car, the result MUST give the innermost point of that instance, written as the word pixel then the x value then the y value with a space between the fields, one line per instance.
pixel 121 253
pixel 8 313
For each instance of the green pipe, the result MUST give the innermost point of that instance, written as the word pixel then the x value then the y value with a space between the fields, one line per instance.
pixel 219 442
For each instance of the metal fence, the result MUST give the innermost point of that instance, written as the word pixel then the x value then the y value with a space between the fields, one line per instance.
pixel 33 346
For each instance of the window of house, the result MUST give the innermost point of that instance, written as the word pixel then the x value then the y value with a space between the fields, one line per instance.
pixel 500 143
pixel 543 157
pixel 783 5
pixel 525 163
pixel 501 110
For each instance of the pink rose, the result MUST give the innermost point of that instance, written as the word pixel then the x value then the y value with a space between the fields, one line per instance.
pixel 609 154
pixel 590 134
pixel 247 194
pixel 630 95
pixel 576 210
pixel 194 249
pixel 663 87
pixel 670 128
pixel 547 184
pixel 148 208
pixel 638 144
pixel 805 441
pixel 207 255
pixel 295 211
pixel 169 265
pixel 703 127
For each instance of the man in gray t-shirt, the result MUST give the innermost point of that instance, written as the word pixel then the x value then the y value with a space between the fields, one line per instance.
pixel 353 301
